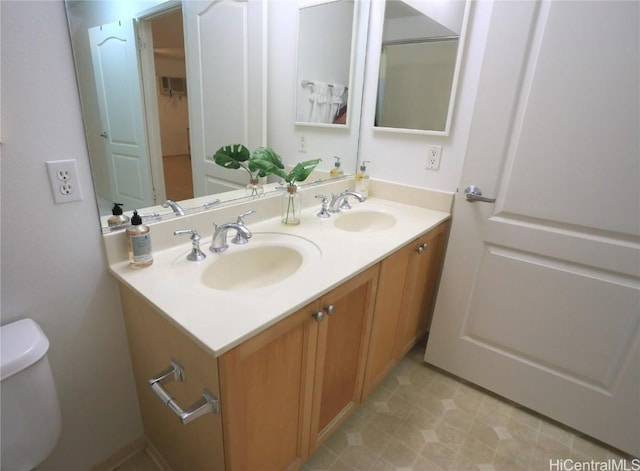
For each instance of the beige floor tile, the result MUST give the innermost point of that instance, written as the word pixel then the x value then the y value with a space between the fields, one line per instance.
pixel 451 437
pixel 398 454
pixel 438 454
pixel 358 457
pixel 476 451
pixel 321 460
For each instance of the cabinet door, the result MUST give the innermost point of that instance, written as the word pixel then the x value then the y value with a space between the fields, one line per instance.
pixel 423 275
pixel 343 337
pixel 266 384
pixel 386 319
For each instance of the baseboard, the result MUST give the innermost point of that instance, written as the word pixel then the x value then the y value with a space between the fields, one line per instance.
pixel 155 455
pixel 141 445
pixel 122 455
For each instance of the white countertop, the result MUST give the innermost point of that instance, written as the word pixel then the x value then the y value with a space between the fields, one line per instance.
pixel 221 319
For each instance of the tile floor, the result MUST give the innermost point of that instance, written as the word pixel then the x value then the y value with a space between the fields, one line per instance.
pixel 422 419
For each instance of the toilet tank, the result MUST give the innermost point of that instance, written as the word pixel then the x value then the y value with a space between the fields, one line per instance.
pixel 31 419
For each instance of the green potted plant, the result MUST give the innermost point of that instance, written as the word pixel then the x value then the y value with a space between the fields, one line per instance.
pixel 291 207
pixel 262 162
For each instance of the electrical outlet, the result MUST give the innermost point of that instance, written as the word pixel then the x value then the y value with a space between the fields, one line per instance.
pixel 63 178
pixel 433 157
pixel 302 143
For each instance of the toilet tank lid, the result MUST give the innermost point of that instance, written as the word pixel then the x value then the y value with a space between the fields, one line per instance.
pixel 22 343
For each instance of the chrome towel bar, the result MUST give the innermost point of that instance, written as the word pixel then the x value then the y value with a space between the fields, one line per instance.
pixel 207 403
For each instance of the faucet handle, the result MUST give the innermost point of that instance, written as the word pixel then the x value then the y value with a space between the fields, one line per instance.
pixel 209 204
pixel 323 213
pixel 242 216
pixel 196 254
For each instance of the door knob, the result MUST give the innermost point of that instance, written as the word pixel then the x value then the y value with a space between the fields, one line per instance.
pixel 473 193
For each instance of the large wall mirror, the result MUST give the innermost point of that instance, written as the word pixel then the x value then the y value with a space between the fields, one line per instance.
pixel 164 84
pixel 326 36
pixel 421 50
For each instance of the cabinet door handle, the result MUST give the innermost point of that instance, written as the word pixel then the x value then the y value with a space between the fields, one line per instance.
pixel 422 247
pixel 318 316
pixel 329 309
pixel 207 403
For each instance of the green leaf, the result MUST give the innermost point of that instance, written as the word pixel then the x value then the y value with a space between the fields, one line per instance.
pixel 264 168
pixel 264 153
pixel 266 161
pixel 231 156
pixel 302 170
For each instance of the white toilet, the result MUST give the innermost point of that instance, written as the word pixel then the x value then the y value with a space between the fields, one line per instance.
pixel 31 419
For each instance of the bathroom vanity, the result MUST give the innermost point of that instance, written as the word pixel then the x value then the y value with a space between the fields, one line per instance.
pixel 286 362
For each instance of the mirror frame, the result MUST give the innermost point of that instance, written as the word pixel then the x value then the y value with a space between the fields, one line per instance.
pixel 299 80
pixel 378 23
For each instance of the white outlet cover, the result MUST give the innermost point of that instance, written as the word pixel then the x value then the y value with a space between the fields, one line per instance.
pixel 63 178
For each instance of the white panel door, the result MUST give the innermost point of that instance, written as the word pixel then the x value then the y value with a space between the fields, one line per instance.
pixel 224 46
pixel 540 296
pixel 115 63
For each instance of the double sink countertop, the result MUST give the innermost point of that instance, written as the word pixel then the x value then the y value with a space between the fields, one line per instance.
pixel 237 307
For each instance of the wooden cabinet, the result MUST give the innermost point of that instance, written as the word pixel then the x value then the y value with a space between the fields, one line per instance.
pixel 404 302
pixel 285 390
pixel 153 343
pixel 420 288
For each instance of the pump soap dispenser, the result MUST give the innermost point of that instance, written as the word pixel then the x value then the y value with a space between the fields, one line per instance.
pixel 117 218
pixel 138 243
pixel 336 171
pixel 362 179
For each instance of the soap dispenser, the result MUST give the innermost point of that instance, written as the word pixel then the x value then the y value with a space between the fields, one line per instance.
pixel 336 171
pixel 117 218
pixel 362 179
pixel 138 243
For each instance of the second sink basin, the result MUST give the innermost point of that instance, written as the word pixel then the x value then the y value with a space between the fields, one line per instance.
pixel 365 220
pixel 266 260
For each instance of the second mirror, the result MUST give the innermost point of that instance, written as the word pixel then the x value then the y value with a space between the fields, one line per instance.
pixel 325 44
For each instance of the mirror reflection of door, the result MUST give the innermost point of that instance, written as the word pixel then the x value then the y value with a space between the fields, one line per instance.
pixel 172 105
pixel 120 102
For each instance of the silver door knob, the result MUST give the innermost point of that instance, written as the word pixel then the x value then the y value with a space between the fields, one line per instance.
pixel 473 193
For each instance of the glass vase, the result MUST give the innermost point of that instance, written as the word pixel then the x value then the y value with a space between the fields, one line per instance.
pixel 254 188
pixel 291 206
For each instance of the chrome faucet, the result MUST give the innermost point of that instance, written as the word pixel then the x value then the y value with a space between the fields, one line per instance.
pixel 338 201
pixel 219 240
pixel 177 209
pixel 241 238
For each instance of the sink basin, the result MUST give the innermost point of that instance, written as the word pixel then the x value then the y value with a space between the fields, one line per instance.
pixel 268 259
pixel 253 267
pixel 364 221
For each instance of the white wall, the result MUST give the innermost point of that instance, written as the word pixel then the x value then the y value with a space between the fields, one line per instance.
pixel 53 267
